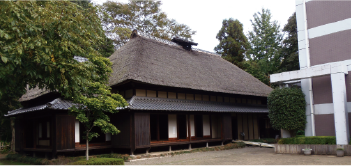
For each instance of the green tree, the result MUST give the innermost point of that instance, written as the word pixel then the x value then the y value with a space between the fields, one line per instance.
pixel 289 52
pixel 265 41
pixel 287 109
pixel 232 42
pixel 119 19
pixel 38 42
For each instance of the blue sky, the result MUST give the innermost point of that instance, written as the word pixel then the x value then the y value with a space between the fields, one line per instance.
pixel 205 17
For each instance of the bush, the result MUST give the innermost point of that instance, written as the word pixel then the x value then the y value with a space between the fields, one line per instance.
pixel 100 161
pixel 24 159
pixel 322 140
pixel 265 140
pixel 287 109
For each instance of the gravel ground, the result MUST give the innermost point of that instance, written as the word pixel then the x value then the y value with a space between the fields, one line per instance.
pixel 244 156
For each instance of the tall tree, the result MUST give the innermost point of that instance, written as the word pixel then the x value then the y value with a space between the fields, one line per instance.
pixel 119 19
pixel 265 41
pixel 232 42
pixel 38 42
pixel 289 52
pixel 106 49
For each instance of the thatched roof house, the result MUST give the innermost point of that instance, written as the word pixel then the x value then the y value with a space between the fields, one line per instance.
pixel 155 62
pixel 177 95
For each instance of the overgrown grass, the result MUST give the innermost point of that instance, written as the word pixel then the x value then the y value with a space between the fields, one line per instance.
pixel 265 140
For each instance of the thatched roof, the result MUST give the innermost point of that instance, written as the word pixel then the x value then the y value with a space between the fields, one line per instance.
pixel 151 61
pixel 154 61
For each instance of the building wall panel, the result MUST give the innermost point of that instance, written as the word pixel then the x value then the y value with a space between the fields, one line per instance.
pixel 65 131
pixel 142 129
pixel 240 125
pixel 324 125
pixel 324 12
pixel 122 121
pixel 251 128
pixel 206 126
pixel 172 126
pixel 322 91
pixel 227 126
pixel 330 48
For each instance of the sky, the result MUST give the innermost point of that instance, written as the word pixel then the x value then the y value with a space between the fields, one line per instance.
pixel 205 17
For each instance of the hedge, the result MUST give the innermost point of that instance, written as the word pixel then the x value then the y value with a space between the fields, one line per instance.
pixel 100 161
pixel 24 159
pixel 322 140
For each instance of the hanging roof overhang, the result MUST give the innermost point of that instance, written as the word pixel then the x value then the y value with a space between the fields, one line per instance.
pixel 166 104
pixel 156 104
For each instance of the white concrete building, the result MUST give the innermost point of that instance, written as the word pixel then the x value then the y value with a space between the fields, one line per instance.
pixel 324 36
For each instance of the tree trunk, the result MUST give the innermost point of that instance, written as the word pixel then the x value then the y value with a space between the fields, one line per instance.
pixel 87 150
pixel 13 135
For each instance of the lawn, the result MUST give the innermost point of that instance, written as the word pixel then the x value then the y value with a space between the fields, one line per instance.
pixel 9 162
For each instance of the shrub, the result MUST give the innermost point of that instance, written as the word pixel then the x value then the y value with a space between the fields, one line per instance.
pixel 323 140
pixel 25 159
pixel 265 140
pixel 100 161
pixel 287 109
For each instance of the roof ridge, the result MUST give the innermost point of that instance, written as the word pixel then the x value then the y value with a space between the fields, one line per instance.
pixel 164 41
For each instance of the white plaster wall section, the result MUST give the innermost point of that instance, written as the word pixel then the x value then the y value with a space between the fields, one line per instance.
pixel 192 125
pixel 328 108
pixel 172 126
pixel 76 131
pixel 330 28
pixel 206 125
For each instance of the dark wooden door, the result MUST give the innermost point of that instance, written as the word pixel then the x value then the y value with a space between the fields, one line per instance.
pixel 142 129
pixel 234 128
pixel 227 126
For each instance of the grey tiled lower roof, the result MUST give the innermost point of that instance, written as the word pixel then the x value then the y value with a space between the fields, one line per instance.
pixel 57 104
pixel 162 104
pixel 156 104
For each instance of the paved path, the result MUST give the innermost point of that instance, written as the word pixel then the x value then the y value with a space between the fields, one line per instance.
pixel 248 155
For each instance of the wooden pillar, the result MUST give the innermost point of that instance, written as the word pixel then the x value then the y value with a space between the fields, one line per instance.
pixel 53 131
pixel 210 117
pixel 189 129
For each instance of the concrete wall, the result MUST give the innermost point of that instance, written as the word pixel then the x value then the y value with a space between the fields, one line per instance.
pixel 172 126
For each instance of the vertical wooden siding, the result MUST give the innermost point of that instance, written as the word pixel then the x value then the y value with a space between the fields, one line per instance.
pixel 122 121
pixel 65 132
pixel 18 135
pixel 240 125
pixel 142 129
pixel 227 126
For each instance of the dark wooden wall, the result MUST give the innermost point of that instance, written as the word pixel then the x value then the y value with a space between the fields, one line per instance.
pixel 227 126
pixel 122 121
pixel 65 126
pixel 142 129
pixel 18 134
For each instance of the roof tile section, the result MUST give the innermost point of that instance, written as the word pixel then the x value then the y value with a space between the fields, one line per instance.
pixel 151 61
pixel 57 104
pixel 155 104
pixel 161 104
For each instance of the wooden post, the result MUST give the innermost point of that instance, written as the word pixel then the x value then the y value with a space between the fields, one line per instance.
pixel 170 149
pixel 54 144
pixel 189 146
pixel 189 128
